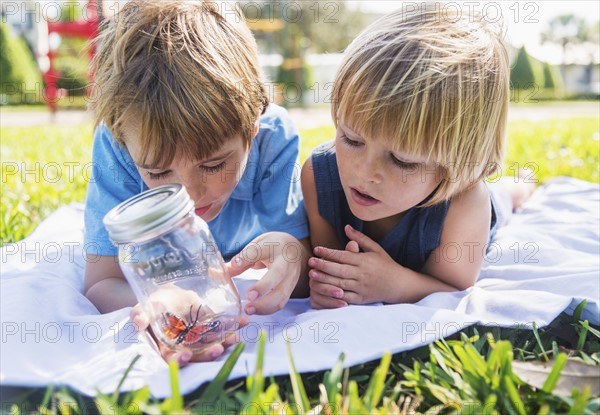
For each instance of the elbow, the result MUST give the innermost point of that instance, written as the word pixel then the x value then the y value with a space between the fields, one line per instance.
pixel 465 282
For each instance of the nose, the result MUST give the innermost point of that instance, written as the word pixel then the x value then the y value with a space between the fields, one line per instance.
pixel 195 187
pixel 369 169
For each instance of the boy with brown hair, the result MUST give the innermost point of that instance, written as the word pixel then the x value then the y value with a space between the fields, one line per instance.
pixel 182 101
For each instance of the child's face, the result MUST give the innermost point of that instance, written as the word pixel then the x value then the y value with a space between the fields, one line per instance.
pixel 209 182
pixel 379 182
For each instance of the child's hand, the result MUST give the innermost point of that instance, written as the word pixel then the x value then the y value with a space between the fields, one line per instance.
pixel 342 277
pixel 284 257
pixel 184 356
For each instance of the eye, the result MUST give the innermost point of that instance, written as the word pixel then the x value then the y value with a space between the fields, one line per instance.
pixel 214 169
pixel 350 142
pixel 403 164
pixel 158 176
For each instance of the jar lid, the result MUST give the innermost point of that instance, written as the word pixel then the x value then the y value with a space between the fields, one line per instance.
pixel 148 213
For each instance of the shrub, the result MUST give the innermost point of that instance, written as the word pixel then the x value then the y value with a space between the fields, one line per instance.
pixel 19 75
pixel 521 74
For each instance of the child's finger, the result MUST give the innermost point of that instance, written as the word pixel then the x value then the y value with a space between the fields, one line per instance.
pixel 238 264
pixel 232 336
pixel 318 301
pixel 181 357
pixel 366 243
pixel 352 297
pixel 269 303
pixel 337 255
pixel 139 317
pixel 352 246
pixel 329 285
pixel 184 356
pixel 332 268
pixel 208 354
pixel 272 291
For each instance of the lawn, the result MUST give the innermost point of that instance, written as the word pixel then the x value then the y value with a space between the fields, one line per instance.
pixel 45 167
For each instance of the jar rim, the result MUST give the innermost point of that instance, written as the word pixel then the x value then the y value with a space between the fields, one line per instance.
pixel 148 214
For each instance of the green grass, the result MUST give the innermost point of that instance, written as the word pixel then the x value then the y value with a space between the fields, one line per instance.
pixel 43 167
pixel 473 372
pixel 558 147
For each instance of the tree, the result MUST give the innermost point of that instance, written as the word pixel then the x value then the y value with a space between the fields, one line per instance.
pixel 294 28
pixel 548 77
pixel 324 27
pixel 565 31
pixel 521 74
pixel 568 31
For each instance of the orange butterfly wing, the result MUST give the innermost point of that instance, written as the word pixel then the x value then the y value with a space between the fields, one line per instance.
pixel 196 333
pixel 174 326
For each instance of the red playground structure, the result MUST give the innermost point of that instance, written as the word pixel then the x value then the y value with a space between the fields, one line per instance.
pixel 86 28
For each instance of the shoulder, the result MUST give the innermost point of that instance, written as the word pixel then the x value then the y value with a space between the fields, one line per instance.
pixel 469 215
pixel 276 120
pixel 473 199
pixel 323 157
pixel 106 145
pixel 108 154
pixel 322 231
pixel 307 177
pixel 277 136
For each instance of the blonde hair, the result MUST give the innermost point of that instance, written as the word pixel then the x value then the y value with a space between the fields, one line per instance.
pixel 185 72
pixel 435 85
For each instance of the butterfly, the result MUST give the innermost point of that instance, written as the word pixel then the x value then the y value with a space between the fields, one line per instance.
pixel 177 329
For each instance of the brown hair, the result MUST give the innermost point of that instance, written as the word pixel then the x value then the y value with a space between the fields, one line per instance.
pixel 186 72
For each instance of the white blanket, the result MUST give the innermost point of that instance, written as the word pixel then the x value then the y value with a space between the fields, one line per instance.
pixel 544 262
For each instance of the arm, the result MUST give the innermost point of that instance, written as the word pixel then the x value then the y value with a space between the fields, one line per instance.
pixel 370 276
pixel 113 180
pixel 458 259
pixel 322 234
pixel 283 248
pixel 105 285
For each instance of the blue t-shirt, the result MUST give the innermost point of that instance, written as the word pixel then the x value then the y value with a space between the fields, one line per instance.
pixel 409 243
pixel 267 197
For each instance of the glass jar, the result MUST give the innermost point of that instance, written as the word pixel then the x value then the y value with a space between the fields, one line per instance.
pixel 174 267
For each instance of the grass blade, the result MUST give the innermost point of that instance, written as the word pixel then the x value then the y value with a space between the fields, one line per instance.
pixel 579 310
pixel 216 387
pixel 513 394
pixel 376 386
pixel 258 381
pixel 176 400
pixel 580 402
pixel 47 396
pixel 332 379
pixel 585 325
pixel 297 386
pixel 115 394
pixel 554 375
pixel 537 338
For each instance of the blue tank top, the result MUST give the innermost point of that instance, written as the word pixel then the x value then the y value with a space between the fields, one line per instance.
pixel 409 243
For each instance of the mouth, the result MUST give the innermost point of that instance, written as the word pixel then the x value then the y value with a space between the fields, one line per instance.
pixel 202 210
pixel 363 199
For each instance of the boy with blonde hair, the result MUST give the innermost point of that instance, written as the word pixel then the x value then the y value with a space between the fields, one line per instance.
pixel 181 100
pixel 398 206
